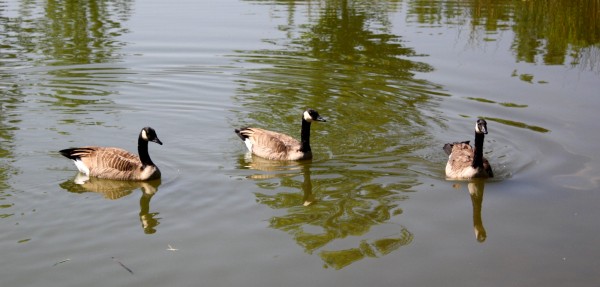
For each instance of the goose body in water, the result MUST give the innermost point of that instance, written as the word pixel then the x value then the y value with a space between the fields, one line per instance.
pixel 277 146
pixel 115 163
pixel 466 162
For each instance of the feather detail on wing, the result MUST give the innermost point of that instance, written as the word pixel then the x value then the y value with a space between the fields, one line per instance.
pixel 460 162
pixel 461 155
pixel 269 144
pixel 107 162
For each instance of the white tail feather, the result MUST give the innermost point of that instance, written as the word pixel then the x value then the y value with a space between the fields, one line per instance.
pixel 81 167
pixel 248 144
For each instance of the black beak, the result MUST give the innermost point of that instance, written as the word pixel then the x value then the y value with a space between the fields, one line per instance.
pixel 156 140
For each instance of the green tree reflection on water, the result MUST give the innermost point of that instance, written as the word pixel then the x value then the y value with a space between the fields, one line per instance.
pixel 361 78
pixel 62 51
pixel 347 64
pixel 44 50
pixel 560 32
pixel 322 213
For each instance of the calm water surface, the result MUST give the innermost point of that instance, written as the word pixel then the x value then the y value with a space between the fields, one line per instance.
pixel 395 81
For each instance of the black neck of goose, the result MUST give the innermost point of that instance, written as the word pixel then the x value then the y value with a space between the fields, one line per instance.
pixel 478 152
pixel 143 152
pixel 305 136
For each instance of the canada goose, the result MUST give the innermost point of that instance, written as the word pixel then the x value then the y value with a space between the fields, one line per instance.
pixel 465 162
pixel 116 163
pixel 277 146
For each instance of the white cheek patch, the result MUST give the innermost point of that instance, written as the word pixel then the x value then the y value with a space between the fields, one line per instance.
pixel 307 117
pixel 480 128
pixel 144 135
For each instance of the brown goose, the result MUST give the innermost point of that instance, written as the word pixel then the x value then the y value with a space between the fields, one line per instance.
pixel 277 146
pixel 464 161
pixel 116 163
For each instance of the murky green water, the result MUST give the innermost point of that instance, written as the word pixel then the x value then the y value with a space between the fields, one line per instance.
pixel 395 81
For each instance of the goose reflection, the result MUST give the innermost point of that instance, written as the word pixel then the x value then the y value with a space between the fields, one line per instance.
pixel 115 189
pixel 309 197
pixel 315 220
pixel 476 188
pixel 273 168
pixel 280 169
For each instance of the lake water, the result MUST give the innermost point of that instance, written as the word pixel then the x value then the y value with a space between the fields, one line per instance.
pixel 395 81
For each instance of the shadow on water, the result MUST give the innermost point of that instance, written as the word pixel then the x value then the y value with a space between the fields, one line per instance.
pixel 115 189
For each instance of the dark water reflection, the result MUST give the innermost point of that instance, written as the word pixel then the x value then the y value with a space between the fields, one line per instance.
pixel 551 33
pixel 115 189
pixel 67 33
pixel 57 57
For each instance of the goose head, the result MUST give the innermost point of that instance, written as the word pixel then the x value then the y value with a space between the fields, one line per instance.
pixel 311 115
pixel 481 127
pixel 148 134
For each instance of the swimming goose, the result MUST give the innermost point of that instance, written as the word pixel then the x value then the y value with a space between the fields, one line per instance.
pixel 116 163
pixel 465 162
pixel 277 146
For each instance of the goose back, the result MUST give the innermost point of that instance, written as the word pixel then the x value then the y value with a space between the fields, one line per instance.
pixel 115 163
pixel 277 146
pixel 110 163
pixel 460 162
pixel 272 145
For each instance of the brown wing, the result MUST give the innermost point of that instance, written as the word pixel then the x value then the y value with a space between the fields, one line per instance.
pixel 461 156
pixel 460 162
pixel 271 145
pixel 109 162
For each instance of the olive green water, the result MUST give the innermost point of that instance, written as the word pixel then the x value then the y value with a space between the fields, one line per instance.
pixel 395 81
